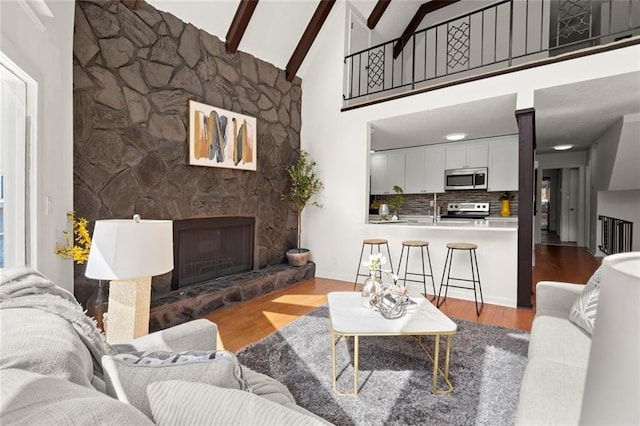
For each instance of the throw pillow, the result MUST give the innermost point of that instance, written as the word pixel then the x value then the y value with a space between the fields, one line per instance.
pixel 177 402
pixel 128 375
pixel 583 311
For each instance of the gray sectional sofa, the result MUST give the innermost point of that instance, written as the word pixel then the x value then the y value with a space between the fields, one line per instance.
pixel 55 368
pixel 574 377
pixel 553 381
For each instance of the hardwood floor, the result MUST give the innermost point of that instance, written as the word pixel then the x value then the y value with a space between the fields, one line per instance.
pixel 248 322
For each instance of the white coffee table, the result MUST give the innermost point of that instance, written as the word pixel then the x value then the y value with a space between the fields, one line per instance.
pixel 350 319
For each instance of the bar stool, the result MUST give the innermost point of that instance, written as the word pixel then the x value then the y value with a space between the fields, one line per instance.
pixel 475 273
pixel 372 242
pixel 423 245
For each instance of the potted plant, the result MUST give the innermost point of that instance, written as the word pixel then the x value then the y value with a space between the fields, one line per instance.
pixel 396 200
pixel 304 185
pixel 506 198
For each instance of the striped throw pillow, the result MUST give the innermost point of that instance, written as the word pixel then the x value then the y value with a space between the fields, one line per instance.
pixel 583 311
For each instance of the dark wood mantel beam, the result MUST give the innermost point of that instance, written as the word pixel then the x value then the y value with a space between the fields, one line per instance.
pixel 239 24
pixel 377 13
pixel 131 4
pixel 425 8
pixel 309 35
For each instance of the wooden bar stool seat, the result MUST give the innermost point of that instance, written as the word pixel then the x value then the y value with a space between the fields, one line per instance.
pixel 475 274
pixel 372 242
pixel 424 246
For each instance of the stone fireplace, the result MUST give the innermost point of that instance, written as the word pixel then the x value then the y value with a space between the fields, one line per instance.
pixel 209 248
pixel 134 73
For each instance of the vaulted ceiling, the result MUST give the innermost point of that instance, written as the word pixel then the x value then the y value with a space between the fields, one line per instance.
pixel 282 31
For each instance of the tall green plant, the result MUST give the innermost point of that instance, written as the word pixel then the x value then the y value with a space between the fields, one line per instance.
pixel 396 200
pixel 304 185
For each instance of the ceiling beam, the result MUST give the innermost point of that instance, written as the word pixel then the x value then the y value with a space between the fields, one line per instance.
pixel 131 4
pixel 239 24
pixel 425 8
pixel 377 13
pixel 309 35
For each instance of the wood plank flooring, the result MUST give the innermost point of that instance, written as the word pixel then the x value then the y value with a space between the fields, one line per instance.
pixel 246 323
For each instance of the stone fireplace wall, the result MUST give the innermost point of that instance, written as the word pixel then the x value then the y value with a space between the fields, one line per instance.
pixel 134 73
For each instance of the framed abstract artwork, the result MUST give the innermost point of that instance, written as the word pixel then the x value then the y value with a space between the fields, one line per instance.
pixel 221 138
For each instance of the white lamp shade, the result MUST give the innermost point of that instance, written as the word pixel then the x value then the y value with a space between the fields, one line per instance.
pixel 123 249
pixel 612 385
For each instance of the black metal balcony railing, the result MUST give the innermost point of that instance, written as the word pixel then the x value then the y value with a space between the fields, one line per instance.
pixel 616 235
pixel 498 36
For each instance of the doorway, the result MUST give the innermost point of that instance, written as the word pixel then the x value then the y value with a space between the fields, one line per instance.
pixel 559 201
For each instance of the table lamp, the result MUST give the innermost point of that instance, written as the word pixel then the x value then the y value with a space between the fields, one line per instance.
pixel 129 252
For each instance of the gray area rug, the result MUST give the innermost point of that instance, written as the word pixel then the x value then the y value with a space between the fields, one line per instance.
pixel 487 364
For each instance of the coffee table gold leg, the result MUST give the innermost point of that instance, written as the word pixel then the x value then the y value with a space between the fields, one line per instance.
pixel 334 342
pixel 446 360
pixel 436 357
pixel 355 364
pixel 333 360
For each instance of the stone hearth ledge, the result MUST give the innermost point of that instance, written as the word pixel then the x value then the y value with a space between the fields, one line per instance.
pixel 195 301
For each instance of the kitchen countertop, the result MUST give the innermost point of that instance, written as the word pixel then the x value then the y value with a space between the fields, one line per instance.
pixel 491 223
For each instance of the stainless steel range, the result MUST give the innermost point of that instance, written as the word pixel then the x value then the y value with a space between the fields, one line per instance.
pixel 466 211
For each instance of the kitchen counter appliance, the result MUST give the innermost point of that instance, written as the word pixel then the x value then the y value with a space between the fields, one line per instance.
pixel 466 211
pixel 471 178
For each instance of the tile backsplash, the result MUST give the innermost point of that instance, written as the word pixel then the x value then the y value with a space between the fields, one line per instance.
pixel 418 204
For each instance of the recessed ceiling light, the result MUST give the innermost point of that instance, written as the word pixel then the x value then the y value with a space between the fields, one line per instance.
pixel 372 151
pixel 456 136
pixel 562 147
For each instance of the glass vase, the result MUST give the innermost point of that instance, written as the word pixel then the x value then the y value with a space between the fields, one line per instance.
pixel 98 303
pixel 369 289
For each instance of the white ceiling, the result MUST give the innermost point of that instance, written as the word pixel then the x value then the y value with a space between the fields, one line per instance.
pixel 431 127
pixel 277 25
pixel 578 113
pixel 571 114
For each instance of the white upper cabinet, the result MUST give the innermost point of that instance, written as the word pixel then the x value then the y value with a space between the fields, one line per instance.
pixel 424 170
pixel 503 164
pixel 461 155
pixel 420 170
pixel 387 170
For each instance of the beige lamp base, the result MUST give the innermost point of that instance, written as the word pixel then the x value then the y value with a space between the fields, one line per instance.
pixel 129 304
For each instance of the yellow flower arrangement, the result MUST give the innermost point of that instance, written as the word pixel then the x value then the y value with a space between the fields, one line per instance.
pixel 79 251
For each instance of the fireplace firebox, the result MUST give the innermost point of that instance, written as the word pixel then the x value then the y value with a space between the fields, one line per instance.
pixel 207 248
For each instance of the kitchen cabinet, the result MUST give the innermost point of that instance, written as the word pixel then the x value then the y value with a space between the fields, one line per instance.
pixel 424 170
pixel 503 164
pixel 461 155
pixel 387 169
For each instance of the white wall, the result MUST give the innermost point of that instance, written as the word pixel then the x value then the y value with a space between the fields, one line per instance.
pixel 561 160
pixel 623 205
pixel 338 141
pixel 46 56
pixel 626 173
pixel 603 155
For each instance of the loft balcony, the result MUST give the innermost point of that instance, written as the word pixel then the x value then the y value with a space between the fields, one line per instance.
pixel 502 37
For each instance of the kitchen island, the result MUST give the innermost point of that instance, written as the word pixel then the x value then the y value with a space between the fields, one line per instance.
pixel 497 240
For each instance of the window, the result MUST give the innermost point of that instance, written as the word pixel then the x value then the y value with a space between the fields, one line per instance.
pixel 13 165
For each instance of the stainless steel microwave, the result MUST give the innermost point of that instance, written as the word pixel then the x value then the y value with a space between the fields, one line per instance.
pixel 471 178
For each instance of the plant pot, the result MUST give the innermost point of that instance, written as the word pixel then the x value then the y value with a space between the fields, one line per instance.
pixel 298 257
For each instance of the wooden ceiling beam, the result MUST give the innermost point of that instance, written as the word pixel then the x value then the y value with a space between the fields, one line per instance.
pixel 131 4
pixel 377 13
pixel 308 37
pixel 425 8
pixel 239 24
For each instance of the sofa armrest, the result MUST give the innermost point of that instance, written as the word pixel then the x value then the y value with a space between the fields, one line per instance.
pixel 555 298
pixel 196 335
